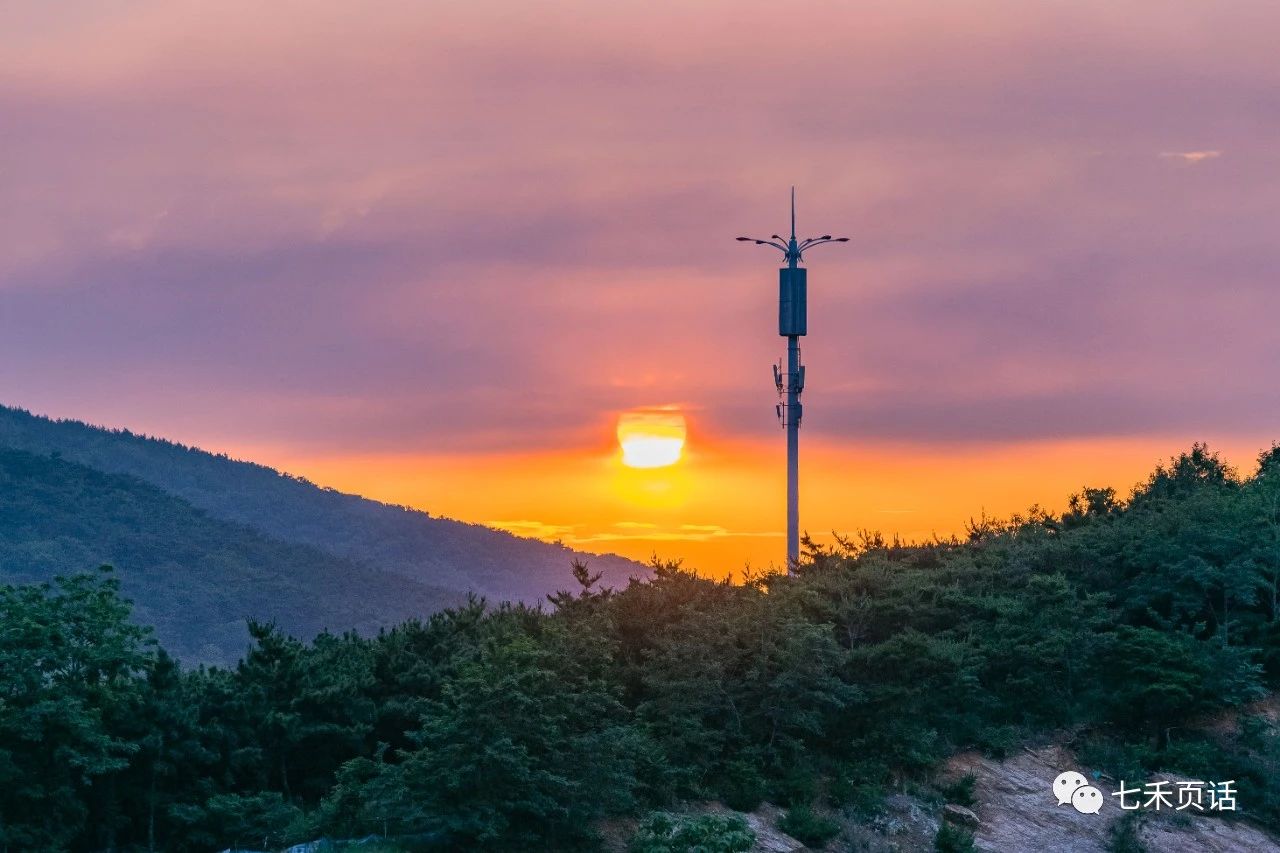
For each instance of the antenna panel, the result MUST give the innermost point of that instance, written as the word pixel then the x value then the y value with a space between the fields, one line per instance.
pixel 793 301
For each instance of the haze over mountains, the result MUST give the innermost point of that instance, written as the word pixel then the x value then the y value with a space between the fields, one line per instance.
pixel 201 542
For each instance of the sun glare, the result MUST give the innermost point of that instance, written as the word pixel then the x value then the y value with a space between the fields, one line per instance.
pixel 651 438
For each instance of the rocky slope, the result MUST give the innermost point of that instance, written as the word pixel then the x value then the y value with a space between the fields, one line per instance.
pixel 1016 811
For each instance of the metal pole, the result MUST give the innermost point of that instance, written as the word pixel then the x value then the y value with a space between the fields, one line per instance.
pixel 792 324
pixel 793 413
pixel 793 449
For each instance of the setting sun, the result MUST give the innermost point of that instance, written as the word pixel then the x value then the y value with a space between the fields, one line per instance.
pixel 651 438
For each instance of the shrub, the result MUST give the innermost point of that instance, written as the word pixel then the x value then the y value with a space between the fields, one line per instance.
pixel 960 791
pixel 796 785
pixel 1001 741
pixel 953 839
pixel 263 819
pixel 1123 837
pixel 1194 756
pixel 806 825
pixel 662 832
pixel 861 794
pixel 1119 758
pixel 742 786
pixel 859 787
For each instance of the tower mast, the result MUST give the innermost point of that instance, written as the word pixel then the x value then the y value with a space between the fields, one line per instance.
pixel 792 325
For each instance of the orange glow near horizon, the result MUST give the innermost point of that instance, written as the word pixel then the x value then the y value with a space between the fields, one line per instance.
pixel 721 508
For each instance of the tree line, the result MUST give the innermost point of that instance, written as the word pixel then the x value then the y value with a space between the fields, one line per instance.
pixel 1128 621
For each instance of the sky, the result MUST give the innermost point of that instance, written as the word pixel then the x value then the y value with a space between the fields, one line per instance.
pixel 431 252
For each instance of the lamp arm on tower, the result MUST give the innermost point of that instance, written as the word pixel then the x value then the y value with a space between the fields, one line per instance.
pixel 778 246
pixel 819 241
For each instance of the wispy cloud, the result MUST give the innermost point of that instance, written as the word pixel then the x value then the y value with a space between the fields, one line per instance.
pixel 1191 158
pixel 534 529
pixel 624 531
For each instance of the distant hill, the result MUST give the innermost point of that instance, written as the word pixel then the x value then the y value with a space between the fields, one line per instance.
pixel 443 559
pixel 194 578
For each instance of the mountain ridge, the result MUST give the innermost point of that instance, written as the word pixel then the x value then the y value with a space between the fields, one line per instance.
pixel 194 578
pixel 203 542
pixel 411 542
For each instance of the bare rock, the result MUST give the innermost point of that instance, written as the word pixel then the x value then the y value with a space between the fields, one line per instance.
pixel 960 816
pixel 1020 812
pixel 1197 834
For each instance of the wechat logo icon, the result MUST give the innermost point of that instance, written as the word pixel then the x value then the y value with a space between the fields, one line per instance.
pixel 1072 788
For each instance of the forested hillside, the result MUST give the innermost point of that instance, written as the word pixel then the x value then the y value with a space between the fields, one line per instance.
pixel 194 578
pixel 1128 622
pixel 438 552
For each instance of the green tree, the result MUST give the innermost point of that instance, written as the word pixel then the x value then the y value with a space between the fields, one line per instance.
pixel 1154 679
pixel 525 745
pixel 70 668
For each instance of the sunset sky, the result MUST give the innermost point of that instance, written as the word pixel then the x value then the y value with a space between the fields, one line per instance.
pixel 431 252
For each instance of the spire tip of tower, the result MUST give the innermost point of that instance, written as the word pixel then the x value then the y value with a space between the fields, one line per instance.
pixel 793 212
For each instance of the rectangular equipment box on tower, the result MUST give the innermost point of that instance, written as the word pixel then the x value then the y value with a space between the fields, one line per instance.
pixel 793 307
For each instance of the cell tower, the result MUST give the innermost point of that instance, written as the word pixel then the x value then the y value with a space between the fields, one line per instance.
pixel 792 324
